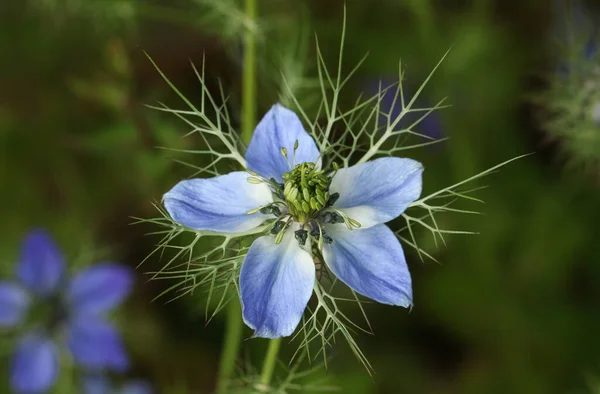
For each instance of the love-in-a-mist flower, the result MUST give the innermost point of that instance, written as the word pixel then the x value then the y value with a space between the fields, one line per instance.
pixel 53 313
pixel 312 216
pixel 102 385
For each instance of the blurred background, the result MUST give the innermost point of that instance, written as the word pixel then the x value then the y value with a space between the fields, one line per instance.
pixel 513 309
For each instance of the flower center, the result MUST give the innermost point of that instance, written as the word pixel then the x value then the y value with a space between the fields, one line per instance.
pixel 47 314
pixel 305 194
pixel 306 190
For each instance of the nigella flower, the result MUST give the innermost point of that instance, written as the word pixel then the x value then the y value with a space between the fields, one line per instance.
pixel 101 385
pixel 313 215
pixel 47 307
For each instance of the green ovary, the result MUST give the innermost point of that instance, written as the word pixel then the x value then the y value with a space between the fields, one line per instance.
pixel 306 190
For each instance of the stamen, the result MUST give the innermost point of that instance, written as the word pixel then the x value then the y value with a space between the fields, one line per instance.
pixel 253 211
pixel 255 181
pixel 354 222
pixel 296 144
pixel 336 168
pixel 305 190
pixel 279 236
pixel 320 244
pixel 284 153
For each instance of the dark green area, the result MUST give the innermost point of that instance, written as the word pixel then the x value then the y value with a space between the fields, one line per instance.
pixel 514 309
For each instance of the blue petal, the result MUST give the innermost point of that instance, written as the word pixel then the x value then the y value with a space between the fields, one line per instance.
pixel 377 191
pixel 371 262
pixel 42 266
pixel 96 345
pixel 99 288
pixel 280 128
pixel 96 385
pixel 34 366
pixel 137 387
pixel 276 282
pixel 14 302
pixel 218 204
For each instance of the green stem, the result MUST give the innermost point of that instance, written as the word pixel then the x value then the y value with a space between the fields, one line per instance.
pixel 249 76
pixel 233 337
pixel 234 325
pixel 270 361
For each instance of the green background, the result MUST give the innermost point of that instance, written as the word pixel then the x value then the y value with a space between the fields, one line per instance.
pixel 514 309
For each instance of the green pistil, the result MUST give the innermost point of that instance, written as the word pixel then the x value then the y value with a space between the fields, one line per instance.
pixel 306 190
pixel 305 193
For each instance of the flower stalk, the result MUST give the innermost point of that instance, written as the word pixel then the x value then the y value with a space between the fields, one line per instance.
pixel 270 361
pixel 231 344
pixel 234 323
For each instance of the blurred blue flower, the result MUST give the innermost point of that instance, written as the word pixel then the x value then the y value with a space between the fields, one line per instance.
pixel 577 36
pixel 102 385
pixel 430 126
pixel 46 306
pixel 572 101
pixel 337 216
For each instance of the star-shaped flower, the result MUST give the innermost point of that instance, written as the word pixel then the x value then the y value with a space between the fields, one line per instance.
pixel 47 307
pixel 337 217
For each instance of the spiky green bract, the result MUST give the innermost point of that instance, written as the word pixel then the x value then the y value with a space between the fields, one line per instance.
pixel 345 137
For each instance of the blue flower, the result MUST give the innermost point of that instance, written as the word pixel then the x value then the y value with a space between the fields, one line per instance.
pixel 101 385
pixel 336 216
pixel 577 35
pixel 60 308
pixel 430 126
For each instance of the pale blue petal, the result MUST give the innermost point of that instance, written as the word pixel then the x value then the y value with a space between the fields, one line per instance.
pixel 276 282
pixel 97 385
pixel 371 262
pixel 14 302
pixel 34 366
pixel 96 345
pixel 378 191
pixel 41 267
pixel 137 387
pixel 218 204
pixel 279 128
pixel 99 288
